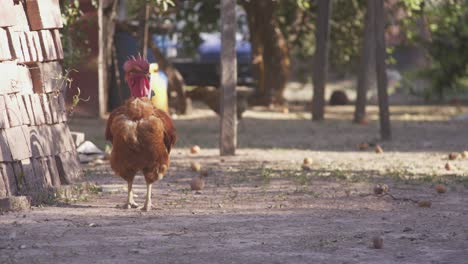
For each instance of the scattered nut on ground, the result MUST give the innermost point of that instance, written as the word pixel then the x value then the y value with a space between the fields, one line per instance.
pixel 377 242
pixel 424 203
pixel 195 149
pixel 453 156
pixel 195 166
pixel 378 149
pixel 440 188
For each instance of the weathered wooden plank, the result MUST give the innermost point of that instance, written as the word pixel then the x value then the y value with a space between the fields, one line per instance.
pixel 62 107
pixel 31 47
pixel 4 123
pixel 53 170
pixel 46 108
pixel 7 17
pixel 24 47
pixel 21 23
pixel 228 138
pixel 69 167
pixel 37 45
pixel 47 45
pixel 39 117
pixel 54 107
pixel 13 110
pixel 19 142
pixel 9 179
pixel 47 76
pixel 29 109
pixel 5 152
pixel 41 141
pixel 58 43
pixel 23 110
pixel 15 45
pixel 24 83
pixel 5 53
pixel 44 14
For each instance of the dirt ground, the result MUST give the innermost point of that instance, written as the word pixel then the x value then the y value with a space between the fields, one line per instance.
pixel 260 206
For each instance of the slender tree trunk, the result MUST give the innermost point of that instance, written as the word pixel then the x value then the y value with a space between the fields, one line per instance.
pixel 102 65
pixel 384 113
pixel 320 67
pixel 270 52
pixel 367 67
pixel 228 138
pixel 144 29
pixel 275 52
pixel 258 66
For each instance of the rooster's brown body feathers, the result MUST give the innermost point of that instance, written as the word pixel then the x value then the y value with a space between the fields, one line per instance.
pixel 142 138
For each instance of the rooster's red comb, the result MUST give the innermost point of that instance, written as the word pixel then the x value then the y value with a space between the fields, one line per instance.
pixel 138 63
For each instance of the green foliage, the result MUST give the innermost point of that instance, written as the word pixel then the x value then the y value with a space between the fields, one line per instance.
pixel 71 14
pixel 194 17
pixel 448 43
pixel 346 30
pixel 347 26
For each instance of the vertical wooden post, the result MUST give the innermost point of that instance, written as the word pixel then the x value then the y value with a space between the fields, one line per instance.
pixel 320 67
pixel 367 65
pixel 228 138
pixel 102 77
pixel 146 36
pixel 384 114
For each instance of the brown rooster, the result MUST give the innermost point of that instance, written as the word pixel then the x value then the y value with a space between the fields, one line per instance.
pixel 142 135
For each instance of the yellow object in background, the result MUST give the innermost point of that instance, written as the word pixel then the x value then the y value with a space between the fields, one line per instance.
pixel 158 84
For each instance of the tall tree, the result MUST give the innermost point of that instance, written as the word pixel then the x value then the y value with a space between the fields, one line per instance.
pixel 382 83
pixel 320 67
pixel 228 138
pixel 367 67
pixel 269 48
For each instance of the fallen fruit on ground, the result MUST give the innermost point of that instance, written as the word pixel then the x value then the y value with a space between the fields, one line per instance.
pixel 195 149
pixel 378 149
pixel 195 166
pixel 377 242
pixel 424 203
pixel 197 184
pixel 440 188
pixel 453 156
pixel 447 166
pixel 380 189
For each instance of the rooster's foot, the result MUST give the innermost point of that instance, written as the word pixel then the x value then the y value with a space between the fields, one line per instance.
pixel 130 205
pixel 146 208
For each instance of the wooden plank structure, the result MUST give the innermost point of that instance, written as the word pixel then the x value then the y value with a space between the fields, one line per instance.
pixel 228 138
pixel 37 152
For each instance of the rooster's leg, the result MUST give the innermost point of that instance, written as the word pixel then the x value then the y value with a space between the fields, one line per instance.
pixel 147 206
pixel 130 201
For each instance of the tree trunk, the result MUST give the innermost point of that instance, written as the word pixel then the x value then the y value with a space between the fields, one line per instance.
pixel 228 138
pixel 144 29
pixel 384 114
pixel 367 67
pixel 270 52
pixel 320 67
pixel 258 66
pixel 275 53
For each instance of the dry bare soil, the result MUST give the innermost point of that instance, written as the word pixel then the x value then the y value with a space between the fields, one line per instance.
pixel 261 206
